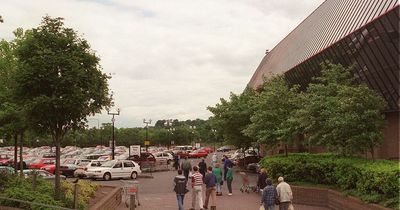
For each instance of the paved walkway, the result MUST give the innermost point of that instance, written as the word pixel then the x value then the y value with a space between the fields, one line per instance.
pixel 157 194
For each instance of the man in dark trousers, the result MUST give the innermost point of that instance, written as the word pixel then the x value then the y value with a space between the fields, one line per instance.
pixel 180 188
pixel 203 168
pixel 210 181
pixel 186 166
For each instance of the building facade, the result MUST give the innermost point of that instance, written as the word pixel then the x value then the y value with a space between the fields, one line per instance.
pixel 357 33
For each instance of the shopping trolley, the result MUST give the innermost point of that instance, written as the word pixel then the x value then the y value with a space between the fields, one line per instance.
pixel 130 188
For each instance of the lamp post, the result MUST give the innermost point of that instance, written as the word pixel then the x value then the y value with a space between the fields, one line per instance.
pixel 214 135
pixel 192 127
pixel 113 137
pixel 168 125
pixel 147 122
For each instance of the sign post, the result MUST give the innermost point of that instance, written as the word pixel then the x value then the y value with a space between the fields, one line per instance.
pixel 134 150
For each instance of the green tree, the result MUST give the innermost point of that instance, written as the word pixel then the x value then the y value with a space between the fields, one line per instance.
pixel 12 114
pixel 233 116
pixel 341 115
pixel 60 81
pixel 273 108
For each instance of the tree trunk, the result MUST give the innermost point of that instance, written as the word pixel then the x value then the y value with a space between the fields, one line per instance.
pixel 21 159
pixel 15 153
pixel 286 150
pixel 372 153
pixel 57 183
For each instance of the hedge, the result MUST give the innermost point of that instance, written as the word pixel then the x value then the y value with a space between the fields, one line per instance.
pixel 372 181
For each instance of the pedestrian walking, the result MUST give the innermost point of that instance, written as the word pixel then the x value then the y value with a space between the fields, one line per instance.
pixel 229 179
pixel 197 191
pixel 176 162
pixel 180 188
pixel 218 173
pixel 269 196
pixel 227 162
pixel 261 181
pixel 203 168
pixel 210 180
pixel 186 166
pixel 285 194
pixel 214 159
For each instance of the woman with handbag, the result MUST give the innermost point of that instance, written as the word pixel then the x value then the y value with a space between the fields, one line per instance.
pixel 218 173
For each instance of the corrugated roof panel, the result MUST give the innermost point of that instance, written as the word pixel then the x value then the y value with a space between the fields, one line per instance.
pixel 330 22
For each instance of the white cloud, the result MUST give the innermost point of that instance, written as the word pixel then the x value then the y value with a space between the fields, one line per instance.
pixel 170 59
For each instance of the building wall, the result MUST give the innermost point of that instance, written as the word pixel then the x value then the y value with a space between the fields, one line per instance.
pixel 390 148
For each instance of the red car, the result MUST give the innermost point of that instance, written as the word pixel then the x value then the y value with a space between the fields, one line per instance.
pixel 4 160
pixel 146 160
pixel 198 153
pixel 42 162
pixel 208 149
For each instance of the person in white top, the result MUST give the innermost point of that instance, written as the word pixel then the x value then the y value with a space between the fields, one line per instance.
pixel 214 159
pixel 285 194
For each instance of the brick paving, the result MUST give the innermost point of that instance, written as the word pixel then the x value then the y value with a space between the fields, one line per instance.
pixel 156 194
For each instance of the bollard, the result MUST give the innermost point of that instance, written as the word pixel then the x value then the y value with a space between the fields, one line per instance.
pixel 132 202
pixel 75 195
pixel 34 181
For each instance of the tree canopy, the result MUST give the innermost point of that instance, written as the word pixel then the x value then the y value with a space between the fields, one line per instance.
pixel 59 81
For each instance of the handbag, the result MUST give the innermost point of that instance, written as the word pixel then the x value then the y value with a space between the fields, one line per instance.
pixel 277 201
pixel 262 207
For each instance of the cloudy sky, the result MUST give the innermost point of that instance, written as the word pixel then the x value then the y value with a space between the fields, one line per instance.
pixel 168 58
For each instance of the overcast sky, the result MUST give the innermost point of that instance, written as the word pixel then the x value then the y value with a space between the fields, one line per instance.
pixel 168 58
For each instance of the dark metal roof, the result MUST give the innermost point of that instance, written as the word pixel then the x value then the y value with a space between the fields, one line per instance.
pixel 332 21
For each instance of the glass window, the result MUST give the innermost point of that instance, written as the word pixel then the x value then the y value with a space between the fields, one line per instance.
pixel 128 164
pixel 118 165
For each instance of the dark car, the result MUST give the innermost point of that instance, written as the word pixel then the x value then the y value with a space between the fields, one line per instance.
pixel 254 167
pixel 146 159
pixel 247 160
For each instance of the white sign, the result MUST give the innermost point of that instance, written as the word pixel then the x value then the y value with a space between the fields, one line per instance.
pixel 197 145
pixel 134 150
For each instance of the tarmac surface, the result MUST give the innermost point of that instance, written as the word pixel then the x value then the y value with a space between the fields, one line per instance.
pixel 157 193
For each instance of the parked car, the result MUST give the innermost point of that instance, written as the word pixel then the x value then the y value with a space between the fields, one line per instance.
pixel 6 169
pixel 82 168
pixel 247 160
pixel 4 159
pixel 114 169
pixel 198 154
pixel 146 159
pixel 254 167
pixel 42 173
pixel 225 149
pixel 163 157
pixel 41 162
pixel 207 149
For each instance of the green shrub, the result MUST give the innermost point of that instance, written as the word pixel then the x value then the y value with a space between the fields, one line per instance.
pixel 20 188
pixel 86 190
pixel 373 181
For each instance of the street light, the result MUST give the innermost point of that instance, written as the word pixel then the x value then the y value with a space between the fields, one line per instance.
pixel 214 132
pixel 168 125
pixel 147 122
pixel 192 127
pixel 113 137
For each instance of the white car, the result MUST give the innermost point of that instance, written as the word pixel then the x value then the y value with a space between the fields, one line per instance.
pixel 163 158
pixel 84 166
pixel 114 169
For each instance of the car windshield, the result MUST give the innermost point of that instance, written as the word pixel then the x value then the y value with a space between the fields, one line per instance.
pixel 108 164
pixel 69 161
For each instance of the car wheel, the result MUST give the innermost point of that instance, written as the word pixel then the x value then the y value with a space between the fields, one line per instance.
pixel 133 175
pixel 107 176
pixel 168 162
